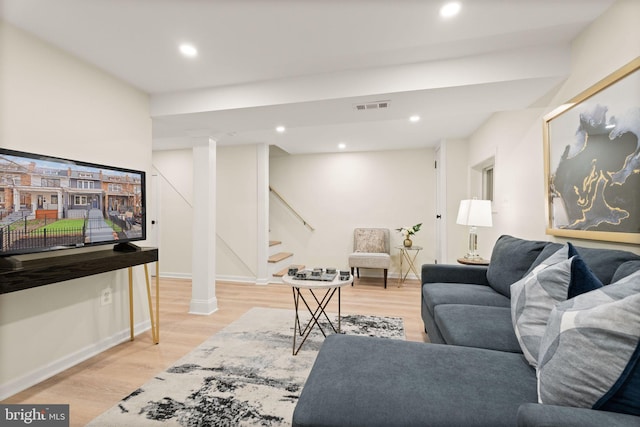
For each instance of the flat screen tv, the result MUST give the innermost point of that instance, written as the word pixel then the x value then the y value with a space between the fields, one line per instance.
pixel 49 203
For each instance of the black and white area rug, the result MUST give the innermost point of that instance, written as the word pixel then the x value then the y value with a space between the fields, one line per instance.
pixel 245 375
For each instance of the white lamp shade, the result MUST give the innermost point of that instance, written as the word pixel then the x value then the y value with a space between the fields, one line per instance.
pixel 475 213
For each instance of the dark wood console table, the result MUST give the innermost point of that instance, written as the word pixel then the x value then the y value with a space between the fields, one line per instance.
pixel 19 274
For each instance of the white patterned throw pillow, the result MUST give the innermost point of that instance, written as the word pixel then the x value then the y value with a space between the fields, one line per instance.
pixel 590 351
pixel 370 240
pixel 562 275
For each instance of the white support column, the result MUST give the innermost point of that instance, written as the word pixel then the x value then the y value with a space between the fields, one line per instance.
pixel 262 182
pixel 16 200
pixel 60 202
pixel 203 288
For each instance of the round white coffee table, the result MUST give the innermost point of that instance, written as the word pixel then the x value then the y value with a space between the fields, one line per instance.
pixel 317 310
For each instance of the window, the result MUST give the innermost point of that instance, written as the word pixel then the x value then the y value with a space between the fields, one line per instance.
pixel 54 199
pixel 483 180
pixel 80 200
pixel 85 175
pixel 487 183
pixel 85 184
pixel 115 188
pixel 11 180
pixel 50 182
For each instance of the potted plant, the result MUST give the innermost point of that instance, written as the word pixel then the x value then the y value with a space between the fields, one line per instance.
pixel 407 232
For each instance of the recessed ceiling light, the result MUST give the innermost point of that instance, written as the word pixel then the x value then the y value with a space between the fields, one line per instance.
pixel 414 119
pixel 450 9
pixel 280 129
pixel 188 50
pixel 342 146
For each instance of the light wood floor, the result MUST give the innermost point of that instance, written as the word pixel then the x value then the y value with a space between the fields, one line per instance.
pixel 97 384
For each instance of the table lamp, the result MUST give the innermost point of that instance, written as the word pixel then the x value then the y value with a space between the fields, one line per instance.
pixel 474 213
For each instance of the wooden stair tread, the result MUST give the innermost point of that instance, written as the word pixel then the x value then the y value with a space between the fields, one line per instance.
pixel 284 271
pixel 274 242
pixel 279 257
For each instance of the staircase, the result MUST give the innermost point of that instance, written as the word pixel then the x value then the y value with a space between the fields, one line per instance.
pixel 279 261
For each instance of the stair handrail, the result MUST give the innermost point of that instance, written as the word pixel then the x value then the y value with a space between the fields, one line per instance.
pixel 293 211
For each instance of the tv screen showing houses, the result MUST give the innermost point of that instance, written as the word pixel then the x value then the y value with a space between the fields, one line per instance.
pixel 50 203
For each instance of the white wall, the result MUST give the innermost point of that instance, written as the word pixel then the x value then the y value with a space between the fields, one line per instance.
pixel 175 217
pixel 515 141
pixel 237 220
pixel 336 193
pixel 236 179
pixel 516 137
pixel 52 103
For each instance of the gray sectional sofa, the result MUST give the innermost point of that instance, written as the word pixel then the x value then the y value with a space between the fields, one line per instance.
pixel 473 373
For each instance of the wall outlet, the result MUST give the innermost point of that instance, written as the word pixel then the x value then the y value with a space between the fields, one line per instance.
pixel 106 296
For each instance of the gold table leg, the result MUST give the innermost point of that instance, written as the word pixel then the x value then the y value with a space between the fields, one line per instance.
pixel 411 267
pixel 158 301
pixel 154 327
pixel 155 320
pixel 131 301
pixel 412 263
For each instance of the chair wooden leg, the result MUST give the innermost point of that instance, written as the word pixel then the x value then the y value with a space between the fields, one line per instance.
pixel 352 276
pixel 385 278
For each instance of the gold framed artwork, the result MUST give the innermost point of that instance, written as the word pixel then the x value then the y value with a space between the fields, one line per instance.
pixel 592 161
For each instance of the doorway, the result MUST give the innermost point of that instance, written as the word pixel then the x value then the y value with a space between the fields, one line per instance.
pixel 441 206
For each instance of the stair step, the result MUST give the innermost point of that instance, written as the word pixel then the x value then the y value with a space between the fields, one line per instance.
pixel 279 257
pixel 274 242
pixel 284 271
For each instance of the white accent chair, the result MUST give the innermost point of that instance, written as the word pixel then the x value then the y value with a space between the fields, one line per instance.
pixel 370 250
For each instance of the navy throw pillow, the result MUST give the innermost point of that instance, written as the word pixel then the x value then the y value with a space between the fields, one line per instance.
pixel 582 278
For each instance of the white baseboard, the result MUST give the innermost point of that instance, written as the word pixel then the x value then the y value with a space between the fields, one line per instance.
pixel 56 366
pixel 221 278
pixel 171 275
pixel 203 307
pixel 236 279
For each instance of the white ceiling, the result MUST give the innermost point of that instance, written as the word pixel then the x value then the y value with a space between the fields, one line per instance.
pixel 305 63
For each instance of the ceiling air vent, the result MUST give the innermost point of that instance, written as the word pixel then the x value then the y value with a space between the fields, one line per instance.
pixel 375 105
